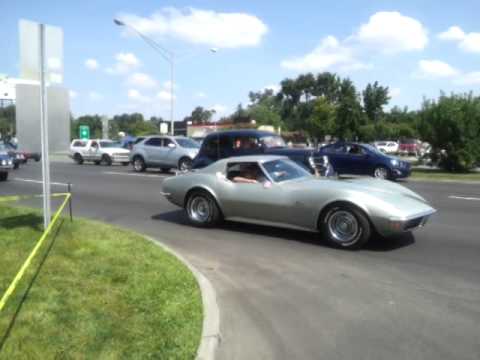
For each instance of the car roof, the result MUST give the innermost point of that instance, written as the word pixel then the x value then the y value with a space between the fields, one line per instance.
pixel 240 132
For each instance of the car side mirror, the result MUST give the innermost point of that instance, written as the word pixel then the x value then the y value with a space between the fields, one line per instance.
pixel 172 146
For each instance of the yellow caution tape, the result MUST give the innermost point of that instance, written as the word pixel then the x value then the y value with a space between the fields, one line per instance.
pixel 27 262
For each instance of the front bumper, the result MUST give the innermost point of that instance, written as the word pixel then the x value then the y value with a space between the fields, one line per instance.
pixel 409 223
pixel 400 173
pixel 120 158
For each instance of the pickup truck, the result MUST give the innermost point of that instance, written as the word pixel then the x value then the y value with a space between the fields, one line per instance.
pixel 98 151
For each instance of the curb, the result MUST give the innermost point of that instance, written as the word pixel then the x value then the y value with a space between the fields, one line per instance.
pixel 445 181
pixel 210 338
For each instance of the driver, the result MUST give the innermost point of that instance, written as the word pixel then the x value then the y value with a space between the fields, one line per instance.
pixel 249 174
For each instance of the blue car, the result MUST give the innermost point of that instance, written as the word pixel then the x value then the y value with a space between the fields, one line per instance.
pixel 363 159
pixel 6 163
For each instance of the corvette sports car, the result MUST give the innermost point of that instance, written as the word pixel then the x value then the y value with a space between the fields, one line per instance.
pixel 275 191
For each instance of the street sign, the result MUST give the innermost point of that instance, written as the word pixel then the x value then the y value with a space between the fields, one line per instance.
pixel 84 132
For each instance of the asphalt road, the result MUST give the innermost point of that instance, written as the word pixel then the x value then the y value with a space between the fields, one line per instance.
pixel 286 295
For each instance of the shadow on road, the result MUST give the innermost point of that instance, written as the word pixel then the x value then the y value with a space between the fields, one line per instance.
pixel 376 243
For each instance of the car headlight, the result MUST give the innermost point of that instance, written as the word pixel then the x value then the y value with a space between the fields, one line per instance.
pixel 394 162
pixel 4 162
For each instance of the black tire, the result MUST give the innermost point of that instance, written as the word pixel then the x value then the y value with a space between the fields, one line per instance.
pixel 78 158
pixel 97 162
pixel 125 163
pixel 37 158
pixel 139 164
pixel 16 165
pixel 381 172
pixel 202 209
pixel 185 164
pixel 106 160
pixel 3 176
pixel 345 226
pixel 165 170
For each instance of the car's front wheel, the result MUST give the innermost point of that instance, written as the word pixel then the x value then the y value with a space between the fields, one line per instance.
pixel 381 172
pixel 78 159
pixel 107 160
pixel 345 226
pixel 202 209
pixel 138 164
pixel 185 164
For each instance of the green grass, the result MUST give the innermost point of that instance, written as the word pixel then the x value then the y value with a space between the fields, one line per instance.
pixel 435 174
pixel 101 293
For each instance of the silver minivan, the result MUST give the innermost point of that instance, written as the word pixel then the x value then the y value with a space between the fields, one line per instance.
pixel 164 152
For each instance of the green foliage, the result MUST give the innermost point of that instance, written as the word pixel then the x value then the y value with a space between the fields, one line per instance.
pixel 349 115
pixel 322 120
pixel 7 120
pixel 200 115
pixel 452 123
pixel 374 98
pixel 93 121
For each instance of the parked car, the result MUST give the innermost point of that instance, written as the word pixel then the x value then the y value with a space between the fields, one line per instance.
pixel 231 143
pixel 17 156
pixel 363 159
pixel 410 147
pixel 164 152
pixel 99 151
pixel 6 163
pixel 273 190
pixel 388 147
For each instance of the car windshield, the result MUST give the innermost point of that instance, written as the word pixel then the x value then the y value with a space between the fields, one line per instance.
pixel 188 143
pixel 283 170
pixel 110 144
pixel 373 149
pixel 272 141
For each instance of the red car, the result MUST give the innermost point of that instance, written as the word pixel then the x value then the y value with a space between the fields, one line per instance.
pixel 410 147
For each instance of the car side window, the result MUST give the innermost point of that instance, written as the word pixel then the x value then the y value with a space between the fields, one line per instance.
pixel 245 172
pixel 166 142
pixel 154 142
pixel 79 143
pixel 94 144
pixel 246 144
pixel 217 147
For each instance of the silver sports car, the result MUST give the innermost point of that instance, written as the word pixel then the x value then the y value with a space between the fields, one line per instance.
pixel 273 190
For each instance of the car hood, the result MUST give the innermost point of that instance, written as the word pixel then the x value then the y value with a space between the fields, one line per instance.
pixel 382 189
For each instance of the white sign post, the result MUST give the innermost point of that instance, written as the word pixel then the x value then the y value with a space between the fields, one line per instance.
pixel 44 131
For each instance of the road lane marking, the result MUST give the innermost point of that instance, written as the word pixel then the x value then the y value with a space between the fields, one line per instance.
pixel 130 174
pixel 39 181
pixel 464 198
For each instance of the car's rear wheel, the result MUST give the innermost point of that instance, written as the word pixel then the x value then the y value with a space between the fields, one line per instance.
pixel 16 165
pixel 345 226
pixel 107 160
pixel 381 172
pixel 185 164
pixel 78 159
pixel 202 209
pixel 138 164
pixel 97 162
pixel 3 176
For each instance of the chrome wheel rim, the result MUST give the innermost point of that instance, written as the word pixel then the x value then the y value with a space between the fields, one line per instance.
pixel 381 173
pixel 185 165
pixel 199 209
pixel 343 226
pixel 137 164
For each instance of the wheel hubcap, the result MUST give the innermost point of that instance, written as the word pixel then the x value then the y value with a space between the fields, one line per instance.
pixel 185 165
pixel 199 209
pixel 380 173
pixel 138 164
pixel 343 226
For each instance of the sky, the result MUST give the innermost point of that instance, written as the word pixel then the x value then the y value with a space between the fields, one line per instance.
pixel 416 48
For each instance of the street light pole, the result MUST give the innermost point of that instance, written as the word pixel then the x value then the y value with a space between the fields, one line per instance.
pixel 169 56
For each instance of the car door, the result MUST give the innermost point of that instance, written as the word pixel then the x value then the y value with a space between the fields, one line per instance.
pixel 359 160
pixel 152 149
pixel 337 157
pixel 259 202
pixel 93 150
pixel 170 152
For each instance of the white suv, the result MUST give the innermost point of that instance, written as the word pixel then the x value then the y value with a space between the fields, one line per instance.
pixel 99 151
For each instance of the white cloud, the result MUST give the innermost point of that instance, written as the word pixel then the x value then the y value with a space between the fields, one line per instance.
pixel 91 64
pixel 454 33
pixel 392 32
pixel 274 87
pixel 330 53
pixel 135 95
pixel 200 95
pixel 207 27
pixel 468 42
pixel 73 94
pixel 95 96
pixel 435 69
pixel 164 95
pixel 471 78
pixel 125 62
pixel 394 92
pixel 141 80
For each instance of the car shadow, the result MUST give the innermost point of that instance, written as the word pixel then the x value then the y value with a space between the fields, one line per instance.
pixel 376 243
pixel 33 221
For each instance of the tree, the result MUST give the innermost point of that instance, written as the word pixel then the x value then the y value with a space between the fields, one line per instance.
pixel 265 108
pixel 452 124
pixel 374 98
pixel 7 121
pixel 322 120
pixel 200 115
pixel 349 116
